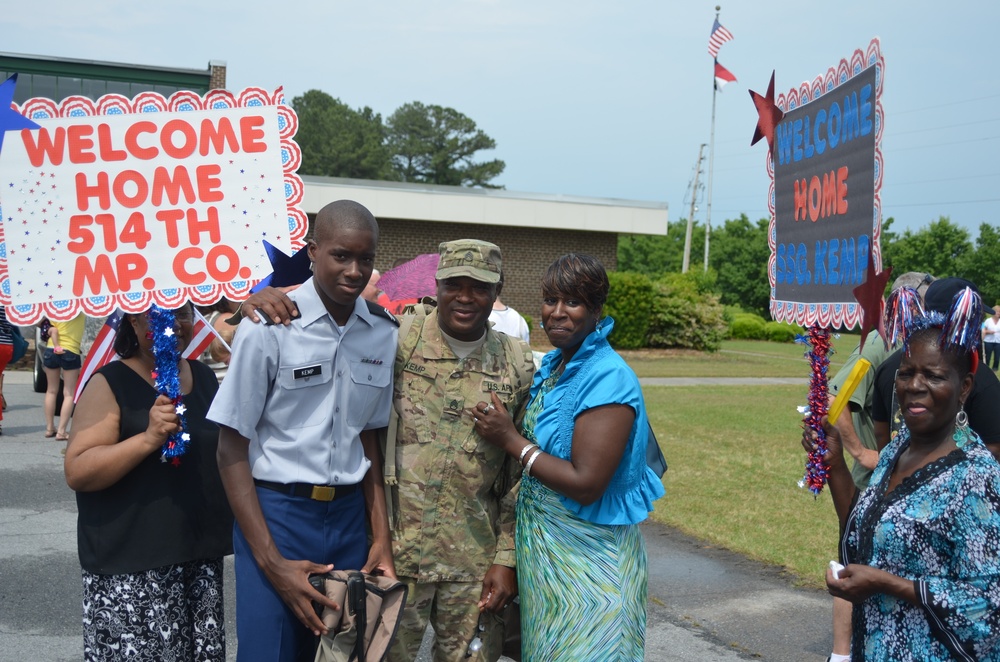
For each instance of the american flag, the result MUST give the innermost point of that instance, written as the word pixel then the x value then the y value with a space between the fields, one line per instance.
pixel 202 335
pixel 102 351
pixel 719 36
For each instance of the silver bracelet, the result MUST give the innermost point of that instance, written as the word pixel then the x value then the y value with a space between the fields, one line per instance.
pixel 524 451
pixel 531 461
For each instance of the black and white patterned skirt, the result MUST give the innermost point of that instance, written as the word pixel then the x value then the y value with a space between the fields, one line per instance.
pixel 174 613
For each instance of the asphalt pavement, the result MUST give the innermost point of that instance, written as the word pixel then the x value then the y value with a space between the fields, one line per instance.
pixel 705 603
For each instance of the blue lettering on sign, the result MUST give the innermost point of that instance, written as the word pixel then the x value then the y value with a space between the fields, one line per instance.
pixel 841 261
pixel 791 264
pixel 836 124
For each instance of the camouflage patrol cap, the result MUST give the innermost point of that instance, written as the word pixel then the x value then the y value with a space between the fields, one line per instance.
pixel 476 259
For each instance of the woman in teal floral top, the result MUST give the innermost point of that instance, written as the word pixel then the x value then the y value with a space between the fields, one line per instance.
pixel 922 543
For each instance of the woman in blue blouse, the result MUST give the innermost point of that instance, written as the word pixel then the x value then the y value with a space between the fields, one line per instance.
pixel 581 560
pixel 922 543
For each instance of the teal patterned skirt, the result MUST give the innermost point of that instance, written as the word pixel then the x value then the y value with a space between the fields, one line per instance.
pixel 583 586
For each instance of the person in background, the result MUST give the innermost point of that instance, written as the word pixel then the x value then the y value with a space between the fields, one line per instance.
pixel 151 534
pixel 61 360
pixel 217 355
pixel 921 544
pixel 371 291
pixel 991 339
pixel 6 354
pixel 581 559
pixel 507 320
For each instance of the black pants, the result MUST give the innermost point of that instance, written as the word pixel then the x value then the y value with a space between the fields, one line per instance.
pixel 992 355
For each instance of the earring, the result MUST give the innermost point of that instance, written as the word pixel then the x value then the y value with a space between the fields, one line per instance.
pixel 311 266
pixel 149 335
pixel 961 434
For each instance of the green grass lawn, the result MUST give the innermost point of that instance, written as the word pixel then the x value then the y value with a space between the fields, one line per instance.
pixel 737 358
pixel 735 458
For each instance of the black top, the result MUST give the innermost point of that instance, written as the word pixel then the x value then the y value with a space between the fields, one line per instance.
pixel 158 514
pixel 983 405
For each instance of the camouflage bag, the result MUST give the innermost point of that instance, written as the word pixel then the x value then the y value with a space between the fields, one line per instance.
pixel 364 627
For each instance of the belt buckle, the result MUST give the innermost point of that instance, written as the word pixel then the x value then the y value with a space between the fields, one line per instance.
pixel 323 493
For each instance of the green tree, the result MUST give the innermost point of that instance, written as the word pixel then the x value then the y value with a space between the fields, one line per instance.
pixel 436 145
pixel 739 255
pixel 657 254
pixel 938 249
pixel 338 141
pixel 980 266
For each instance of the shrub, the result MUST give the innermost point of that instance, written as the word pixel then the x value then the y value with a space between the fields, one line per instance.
pixel 630 302
pixel 747 326
pixel 780 332
pixel 685 315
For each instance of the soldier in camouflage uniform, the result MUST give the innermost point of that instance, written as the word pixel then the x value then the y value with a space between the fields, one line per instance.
pixel 453 507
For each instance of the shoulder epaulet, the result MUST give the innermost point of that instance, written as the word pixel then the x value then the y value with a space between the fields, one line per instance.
pixel 378 310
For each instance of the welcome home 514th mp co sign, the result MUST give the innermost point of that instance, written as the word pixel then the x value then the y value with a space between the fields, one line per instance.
pixel 127 203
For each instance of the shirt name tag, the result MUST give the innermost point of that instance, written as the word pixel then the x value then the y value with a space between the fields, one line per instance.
pixel 499 388
pixel 308 371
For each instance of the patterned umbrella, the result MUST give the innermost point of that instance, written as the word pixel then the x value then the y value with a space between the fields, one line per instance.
pixel 411 280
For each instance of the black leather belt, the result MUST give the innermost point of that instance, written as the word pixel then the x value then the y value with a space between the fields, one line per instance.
pixel 316 492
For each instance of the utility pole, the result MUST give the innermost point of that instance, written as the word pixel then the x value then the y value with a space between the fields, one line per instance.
pixel 694 197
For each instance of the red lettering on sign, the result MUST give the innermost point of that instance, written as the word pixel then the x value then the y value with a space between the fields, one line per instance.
pixel 80 144
pixel 47 146
pixel 172 187
pixel 107 150
pixel 84 191
pixel 216 137
pixel 132 140
pixel 251 134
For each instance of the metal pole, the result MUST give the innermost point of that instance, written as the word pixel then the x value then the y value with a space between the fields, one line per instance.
pixel 711 157
pixel 694 197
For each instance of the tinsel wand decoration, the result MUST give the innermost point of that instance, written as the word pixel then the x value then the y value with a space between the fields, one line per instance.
pixel 817 469
pixel 167 378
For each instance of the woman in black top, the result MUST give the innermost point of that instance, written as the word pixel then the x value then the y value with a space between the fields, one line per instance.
pixel 151 533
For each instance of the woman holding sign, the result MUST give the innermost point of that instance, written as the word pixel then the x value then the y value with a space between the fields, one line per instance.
pixel 151 533
pixel 921 544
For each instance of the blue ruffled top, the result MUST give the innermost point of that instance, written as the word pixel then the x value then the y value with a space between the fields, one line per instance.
pixel 596 376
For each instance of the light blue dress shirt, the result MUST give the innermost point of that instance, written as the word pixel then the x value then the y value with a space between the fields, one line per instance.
pixel 303 393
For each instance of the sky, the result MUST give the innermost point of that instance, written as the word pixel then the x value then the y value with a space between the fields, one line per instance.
pixel 601 99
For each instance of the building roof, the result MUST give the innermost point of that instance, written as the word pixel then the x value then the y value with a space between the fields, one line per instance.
pixel 44 64
pixel 459 204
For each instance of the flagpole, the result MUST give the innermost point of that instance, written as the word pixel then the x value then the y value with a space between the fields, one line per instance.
pixel 711 154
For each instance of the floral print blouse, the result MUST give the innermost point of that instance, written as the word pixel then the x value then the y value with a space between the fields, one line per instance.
pixel 939 528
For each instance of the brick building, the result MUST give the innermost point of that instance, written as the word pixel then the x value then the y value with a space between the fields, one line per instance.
pixel 531 229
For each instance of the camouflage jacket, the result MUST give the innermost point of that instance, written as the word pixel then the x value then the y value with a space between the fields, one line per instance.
pixel 455 498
